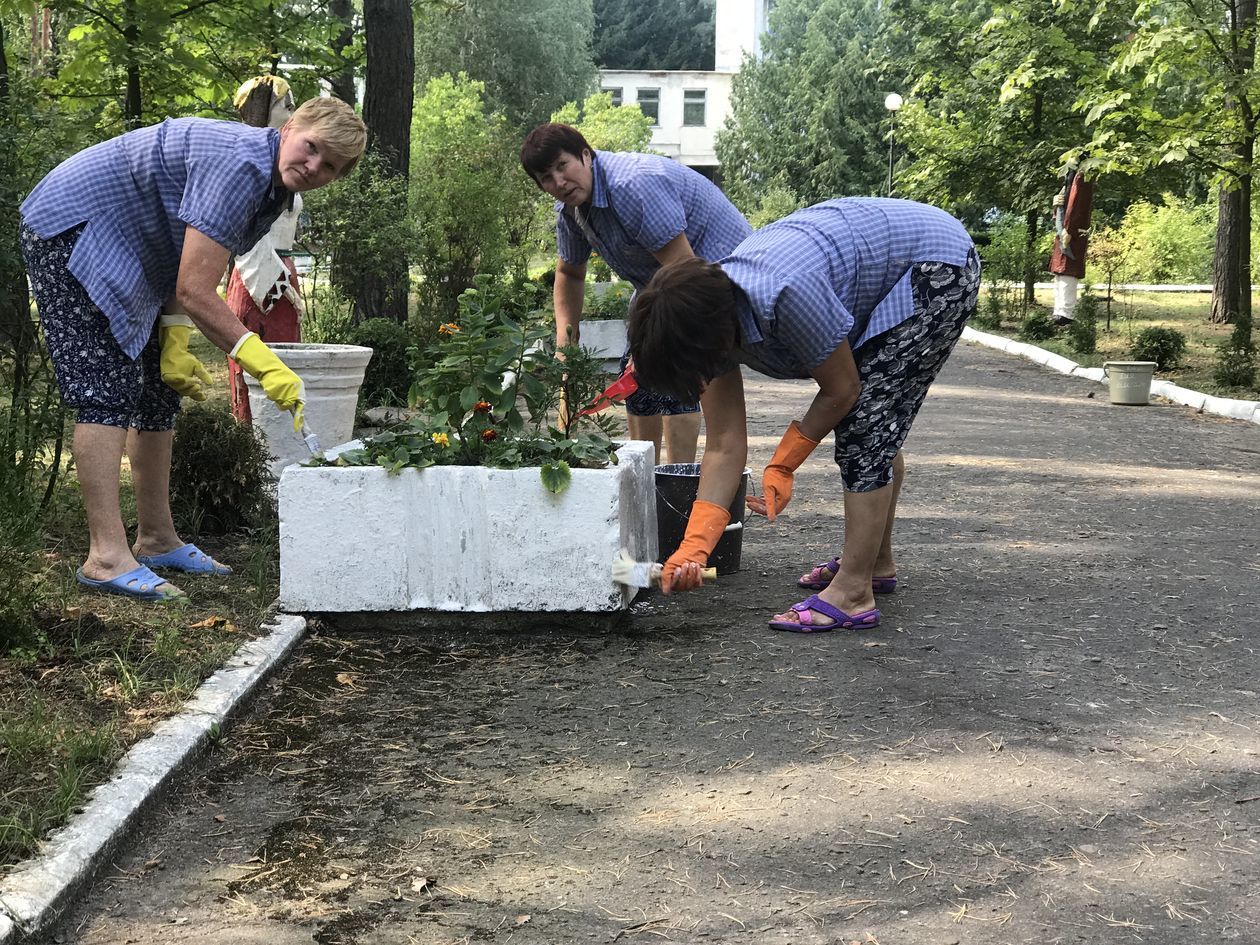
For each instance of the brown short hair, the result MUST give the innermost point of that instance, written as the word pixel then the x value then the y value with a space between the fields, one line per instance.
pixel 682 328
pixel 335 123
pixel 544 145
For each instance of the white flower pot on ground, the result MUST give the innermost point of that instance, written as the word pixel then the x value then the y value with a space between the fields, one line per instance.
pixel 1129 382
pixel 462 538
pixel 605 338
pixel 331 376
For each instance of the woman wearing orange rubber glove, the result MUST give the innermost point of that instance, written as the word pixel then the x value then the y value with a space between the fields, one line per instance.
pixel 867 296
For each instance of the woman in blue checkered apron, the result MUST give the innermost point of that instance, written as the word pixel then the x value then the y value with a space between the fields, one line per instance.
pixel 639 212
pixel 125 245
pixel 866 296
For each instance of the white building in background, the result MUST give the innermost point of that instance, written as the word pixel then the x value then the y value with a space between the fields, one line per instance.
pixel 687 108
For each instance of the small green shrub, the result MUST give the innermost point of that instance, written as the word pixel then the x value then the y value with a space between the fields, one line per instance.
pixel 988 317
pixel 1037 326
pixel 388 376
pixel 1164 346
pixel 610 303
pixel 1082 330
pixel 1235 366
pixel 219 477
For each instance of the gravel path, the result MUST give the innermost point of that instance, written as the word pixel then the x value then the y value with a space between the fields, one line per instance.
pixel 1053 738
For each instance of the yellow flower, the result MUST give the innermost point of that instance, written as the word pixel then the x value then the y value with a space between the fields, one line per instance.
pixel 441 439
pixel 448 329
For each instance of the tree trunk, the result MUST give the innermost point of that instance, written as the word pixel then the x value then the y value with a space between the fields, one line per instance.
pixel 131 32
pixel 17 331
pixel 1031 264
pixel 387 106
pixel 343 82
pixel 1226 259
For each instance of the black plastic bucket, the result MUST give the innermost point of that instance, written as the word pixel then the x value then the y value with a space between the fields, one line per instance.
pixel 676 488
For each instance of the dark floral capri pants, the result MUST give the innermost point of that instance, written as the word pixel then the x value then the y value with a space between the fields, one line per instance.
pixel 898 367
pixel 95 376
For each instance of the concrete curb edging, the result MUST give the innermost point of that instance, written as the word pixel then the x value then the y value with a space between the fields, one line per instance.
pixel 34 895
pixel 1203 403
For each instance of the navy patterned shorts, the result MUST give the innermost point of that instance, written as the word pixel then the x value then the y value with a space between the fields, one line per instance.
pixel 644 403
pixel 897 368
pixel 94 374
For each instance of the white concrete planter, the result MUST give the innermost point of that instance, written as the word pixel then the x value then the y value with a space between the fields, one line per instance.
pixel 331 376
pixel 605 338
pixel 462 538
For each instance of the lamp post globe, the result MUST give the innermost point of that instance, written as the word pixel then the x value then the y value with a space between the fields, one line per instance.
pixel 892 102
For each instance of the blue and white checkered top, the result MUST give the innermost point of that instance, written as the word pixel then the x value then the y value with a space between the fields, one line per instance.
pixel 138 192
pixel 639 202
pixel 836 271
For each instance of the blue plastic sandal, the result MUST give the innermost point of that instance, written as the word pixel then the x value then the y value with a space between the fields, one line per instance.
pixel 189 558
pixel 140 583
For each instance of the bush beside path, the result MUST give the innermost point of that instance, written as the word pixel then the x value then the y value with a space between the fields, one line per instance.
pixel 1053 738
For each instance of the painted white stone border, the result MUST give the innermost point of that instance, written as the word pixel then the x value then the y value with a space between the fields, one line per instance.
pixel 34 895
pixel 1204 403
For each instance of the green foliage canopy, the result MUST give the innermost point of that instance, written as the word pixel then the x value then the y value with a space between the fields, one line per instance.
pixel 654 34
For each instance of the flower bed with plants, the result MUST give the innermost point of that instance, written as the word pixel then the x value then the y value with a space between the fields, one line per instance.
pixel 478 502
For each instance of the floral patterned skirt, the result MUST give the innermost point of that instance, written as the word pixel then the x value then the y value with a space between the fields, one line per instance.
pixel 898 367
pixel 94 374
pixel 645 403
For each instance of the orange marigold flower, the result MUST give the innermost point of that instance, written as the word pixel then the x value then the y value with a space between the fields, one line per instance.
pixel 441 439
pixel 489 435
pixel 482 406
pixel 448 329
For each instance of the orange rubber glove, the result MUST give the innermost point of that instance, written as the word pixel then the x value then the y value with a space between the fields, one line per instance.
pixel 776 481
pixel 704 529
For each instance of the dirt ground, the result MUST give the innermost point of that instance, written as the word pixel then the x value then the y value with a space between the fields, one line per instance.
pixel 1052 738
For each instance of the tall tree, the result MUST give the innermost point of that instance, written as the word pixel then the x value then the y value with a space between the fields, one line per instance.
pixel 808 115
pixel 387 108
pixel 654 34
pixel 532 55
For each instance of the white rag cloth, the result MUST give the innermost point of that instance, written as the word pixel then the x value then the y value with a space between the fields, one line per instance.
pixel 262 270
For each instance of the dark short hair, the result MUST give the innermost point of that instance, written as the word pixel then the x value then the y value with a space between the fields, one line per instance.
pixel 544 145
pixel 682 328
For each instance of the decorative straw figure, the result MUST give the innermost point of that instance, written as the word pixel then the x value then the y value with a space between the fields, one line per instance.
pixel 264 290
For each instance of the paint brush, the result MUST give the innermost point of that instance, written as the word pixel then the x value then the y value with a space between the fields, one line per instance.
pixel 312 441
pixel 627 571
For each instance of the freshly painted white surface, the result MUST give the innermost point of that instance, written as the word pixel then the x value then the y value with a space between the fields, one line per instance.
pixel 331 377
pixel 605 337
pixel 462 538
pixel 1222 406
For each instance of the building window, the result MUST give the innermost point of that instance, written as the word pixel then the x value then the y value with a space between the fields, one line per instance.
pixel 693 108
pixel 650 102
pixel 616 96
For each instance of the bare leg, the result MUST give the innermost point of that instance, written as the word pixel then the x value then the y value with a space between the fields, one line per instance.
pixel 680 435
pixel 98 453
pixel 885 563
pixel 646 428
pixel 150 455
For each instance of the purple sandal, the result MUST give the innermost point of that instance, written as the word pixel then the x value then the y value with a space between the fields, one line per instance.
pixel 840 620
pixel 822 575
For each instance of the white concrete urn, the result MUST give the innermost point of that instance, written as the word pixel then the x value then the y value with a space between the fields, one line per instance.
pixel 331 377
pixel 463 538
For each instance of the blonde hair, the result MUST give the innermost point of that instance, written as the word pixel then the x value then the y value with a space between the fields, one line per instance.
pixel 336 125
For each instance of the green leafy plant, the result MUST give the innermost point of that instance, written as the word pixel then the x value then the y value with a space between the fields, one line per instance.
pixel 220 480
pixel 1037 326
pixel 487 390
pixel 1082 330
pixel 1235 365
pixel 608 303
pixel 1164 346
pixel 988 317
pixel 388 376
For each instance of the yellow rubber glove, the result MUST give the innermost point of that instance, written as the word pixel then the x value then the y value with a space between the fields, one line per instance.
pixel 704 529
pixel 181 370
pixel 282 387
pixel 776 481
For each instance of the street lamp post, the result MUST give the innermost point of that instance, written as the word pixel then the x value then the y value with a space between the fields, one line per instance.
pixel 892 102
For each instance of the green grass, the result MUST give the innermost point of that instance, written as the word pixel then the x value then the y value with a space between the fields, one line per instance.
pixel 1133 311
pixel 100 671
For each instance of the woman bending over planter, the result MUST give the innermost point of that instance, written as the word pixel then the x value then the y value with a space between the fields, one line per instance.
pixel 865 295
pixel 639 212
pixel 123 229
